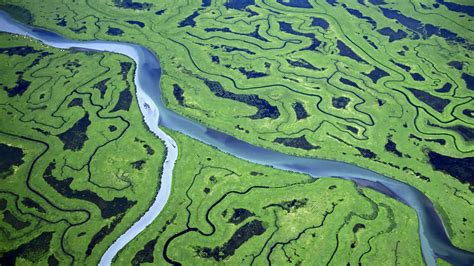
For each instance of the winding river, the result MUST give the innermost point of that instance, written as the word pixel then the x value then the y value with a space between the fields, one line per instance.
pixel 434 239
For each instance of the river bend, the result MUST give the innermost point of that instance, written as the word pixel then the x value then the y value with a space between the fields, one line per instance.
pixel 434 239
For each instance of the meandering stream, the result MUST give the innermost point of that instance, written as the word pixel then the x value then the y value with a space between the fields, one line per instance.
pixel 434 239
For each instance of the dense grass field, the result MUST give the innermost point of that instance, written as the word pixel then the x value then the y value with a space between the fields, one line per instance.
pixel 387 86
pixel 78 165
pixel 225 210
pixel 384 85
pixel 82 168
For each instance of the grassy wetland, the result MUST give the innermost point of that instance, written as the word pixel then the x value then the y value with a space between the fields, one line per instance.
pixel 225 210
pixel 387 86
pixel 69 188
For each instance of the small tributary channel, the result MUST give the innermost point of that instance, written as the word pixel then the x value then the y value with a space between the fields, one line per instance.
pixel 434 239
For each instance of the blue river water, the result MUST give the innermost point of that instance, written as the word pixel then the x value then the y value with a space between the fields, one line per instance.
pixel 434 239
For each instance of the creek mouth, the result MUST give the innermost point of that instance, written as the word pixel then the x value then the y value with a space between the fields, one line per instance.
pixel 435 242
